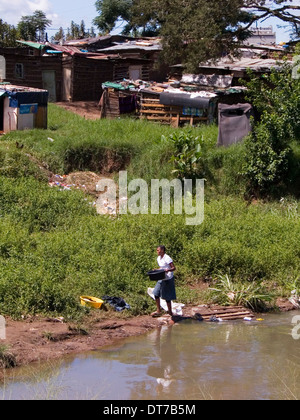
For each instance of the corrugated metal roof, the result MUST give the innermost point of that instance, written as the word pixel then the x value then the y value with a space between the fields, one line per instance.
pixel 258 64
pixel 91 41
pixel 8 87
pixel 74 51
pixel 214 80
pixel 133 45
pixel 64 49
pixel 36 45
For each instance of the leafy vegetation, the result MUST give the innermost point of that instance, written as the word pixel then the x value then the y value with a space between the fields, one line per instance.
pixel 187 153
pixel 207 29
pixel 277 98
pixel 54 247
pixel 251 295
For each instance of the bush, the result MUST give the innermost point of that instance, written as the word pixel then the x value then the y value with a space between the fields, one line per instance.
pixel 276 97
pixel 252 295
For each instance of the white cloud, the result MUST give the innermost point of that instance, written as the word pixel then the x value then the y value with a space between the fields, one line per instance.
pixel 11 11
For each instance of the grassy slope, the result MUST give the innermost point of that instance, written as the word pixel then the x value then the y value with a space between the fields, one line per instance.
pixel 54 247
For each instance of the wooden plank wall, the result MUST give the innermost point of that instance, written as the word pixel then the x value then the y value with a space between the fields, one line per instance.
pixel 121 69
pixel 33 68
pixel 88 76
pixel 112 109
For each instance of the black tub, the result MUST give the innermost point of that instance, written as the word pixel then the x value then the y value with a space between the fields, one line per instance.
pixel 156 275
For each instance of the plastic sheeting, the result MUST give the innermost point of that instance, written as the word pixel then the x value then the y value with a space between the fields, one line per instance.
pixel 179 99
pixel 234 123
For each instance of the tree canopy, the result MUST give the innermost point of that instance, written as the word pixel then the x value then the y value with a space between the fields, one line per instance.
pixel 110 11
pixel 33 27
pixel 8 34
pixel 194 30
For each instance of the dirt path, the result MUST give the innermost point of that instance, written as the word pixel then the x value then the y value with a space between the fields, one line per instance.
pixel 86 109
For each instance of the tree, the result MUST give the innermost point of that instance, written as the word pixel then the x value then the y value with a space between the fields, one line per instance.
pixel 75 30
pixel 194 30
pixel 33 27
pixel 60 35
pixel 110 12
pixel 41 23
pixel 8 35
pixel 82 32
pixel 78 31
pixel 92 32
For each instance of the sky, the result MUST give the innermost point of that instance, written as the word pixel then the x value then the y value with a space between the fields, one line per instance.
pixel 62 12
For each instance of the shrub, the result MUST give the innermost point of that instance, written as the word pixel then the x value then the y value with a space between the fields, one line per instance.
pixel 251 295
pixel 277 98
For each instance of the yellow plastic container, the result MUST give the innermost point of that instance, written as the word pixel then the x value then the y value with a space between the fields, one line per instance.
pixel 91 302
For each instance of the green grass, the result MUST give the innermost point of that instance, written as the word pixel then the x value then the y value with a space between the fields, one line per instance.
pixel 54 247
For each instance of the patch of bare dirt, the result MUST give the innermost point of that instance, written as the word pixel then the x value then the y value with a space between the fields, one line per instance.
pixel 86 181
pixel 86 109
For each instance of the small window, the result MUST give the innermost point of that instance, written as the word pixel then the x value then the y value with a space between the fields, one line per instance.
pixel 135 72
pixel 19 71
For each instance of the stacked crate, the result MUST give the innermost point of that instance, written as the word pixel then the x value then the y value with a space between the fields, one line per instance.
pixel 152 110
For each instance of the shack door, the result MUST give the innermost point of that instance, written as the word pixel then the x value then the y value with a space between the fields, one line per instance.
pixel 49 83
pixel 67 75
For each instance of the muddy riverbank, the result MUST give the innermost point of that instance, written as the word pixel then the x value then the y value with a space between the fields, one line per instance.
pixel 38 339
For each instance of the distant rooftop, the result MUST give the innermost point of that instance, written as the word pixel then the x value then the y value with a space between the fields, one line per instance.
pixel 263 31
pixel 144 45
pixel 262 35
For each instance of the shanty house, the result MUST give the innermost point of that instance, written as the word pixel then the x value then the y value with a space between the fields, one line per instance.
pixel 94 44
pixel 29 66
pixel 141 57
pixel 22 108
pixel 162 102
pixel 76 71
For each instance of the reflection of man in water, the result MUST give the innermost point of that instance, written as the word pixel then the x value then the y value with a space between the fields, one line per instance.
pixel 165 370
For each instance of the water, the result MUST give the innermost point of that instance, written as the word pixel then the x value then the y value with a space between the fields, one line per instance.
pixel 235 360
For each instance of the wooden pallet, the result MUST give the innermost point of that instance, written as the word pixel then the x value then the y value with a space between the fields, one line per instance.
pixel 225 313
pixel 152 110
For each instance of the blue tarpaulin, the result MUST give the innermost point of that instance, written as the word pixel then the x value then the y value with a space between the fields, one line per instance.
pixel 25 98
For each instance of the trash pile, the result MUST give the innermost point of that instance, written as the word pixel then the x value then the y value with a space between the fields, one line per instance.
pixel 59 181
pixel 85 181
pixel 105 204
pixel 295 299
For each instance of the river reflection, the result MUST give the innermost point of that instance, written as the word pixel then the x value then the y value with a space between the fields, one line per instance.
pixel 189 361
